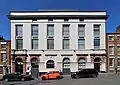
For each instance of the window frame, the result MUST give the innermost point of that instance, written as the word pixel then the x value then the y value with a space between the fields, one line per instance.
pixel 49 32
pixel 49 46
pixel 18 45
pixel 34 31
pixel 19 31
pixel 66 30
pixel 49 65
pixel 34 47
pixel 64 46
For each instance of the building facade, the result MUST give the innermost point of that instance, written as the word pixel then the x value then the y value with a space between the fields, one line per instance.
pixel 5 56
pixel 113 50
pixel 67 41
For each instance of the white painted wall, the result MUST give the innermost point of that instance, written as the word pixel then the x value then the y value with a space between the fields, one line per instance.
pixel 89 44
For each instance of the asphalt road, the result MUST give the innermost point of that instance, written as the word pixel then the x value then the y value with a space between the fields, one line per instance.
pixel 106 79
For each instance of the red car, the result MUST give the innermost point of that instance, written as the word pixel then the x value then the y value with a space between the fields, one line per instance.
pixel 51 75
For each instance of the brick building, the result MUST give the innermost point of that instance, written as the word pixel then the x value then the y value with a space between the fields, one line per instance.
pixel 113 50
pixel 5 48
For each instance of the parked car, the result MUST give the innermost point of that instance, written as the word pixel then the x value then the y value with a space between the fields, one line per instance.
pixel 85 73
pixel 16 76
pixel 51 75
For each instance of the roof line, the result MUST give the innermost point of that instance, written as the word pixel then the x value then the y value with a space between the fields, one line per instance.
pixel 25 11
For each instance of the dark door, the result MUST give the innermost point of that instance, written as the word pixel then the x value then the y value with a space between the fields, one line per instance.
pixel 66 66
pixel 97 66
pixel 35 68
pixel 35 72
pixel 19 65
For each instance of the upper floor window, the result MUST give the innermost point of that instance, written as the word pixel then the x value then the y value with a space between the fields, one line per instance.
pixel 111 37
pixel 19 43
pixel 65 43
pixel 96 30
pixel 111 49
pixel 50 43
pixel 96 43
pixel 65 30
pixel 81 43
pixel 3 46
pixel 34 29
pixel 19 30
pixel 50 30
pixel 118 37
pixel 34 43
pixel 81 30
pixel 3 56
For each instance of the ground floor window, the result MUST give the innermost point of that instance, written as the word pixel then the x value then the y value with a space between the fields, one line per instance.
pixel 81 63
pixel 118 61
pixel 111 62
pixel 50 64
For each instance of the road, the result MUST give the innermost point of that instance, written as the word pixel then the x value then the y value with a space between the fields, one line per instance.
pixel 106 79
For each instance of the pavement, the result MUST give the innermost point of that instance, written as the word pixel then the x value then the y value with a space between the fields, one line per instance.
pixel 102 79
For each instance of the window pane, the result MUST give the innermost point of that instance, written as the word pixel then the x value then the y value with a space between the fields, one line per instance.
pixel 65 30
pixel 96 30
pixel 81 43
pixel 19 44
pixel 50 44
pixel 50 64
pixel 118 61
pixel 111 62
pixel 50 30
pixel 19 30
pixel 3 46
pixel 96 43
pixel 111 50
pixel 81 63
pixel 81 30
pixel 34 29
pixel 65 43
pixel 3 56
pixel 34 43
pixel 111 37
pixel 118 37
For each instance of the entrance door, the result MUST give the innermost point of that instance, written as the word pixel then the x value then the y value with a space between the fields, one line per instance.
pixel 97 64
pixel 66 66
pixel 35 68
pixel 19 65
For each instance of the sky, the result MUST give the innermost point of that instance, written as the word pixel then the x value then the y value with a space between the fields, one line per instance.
pixel 111 6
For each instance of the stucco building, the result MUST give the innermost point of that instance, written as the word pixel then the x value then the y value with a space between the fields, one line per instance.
pixel 42 41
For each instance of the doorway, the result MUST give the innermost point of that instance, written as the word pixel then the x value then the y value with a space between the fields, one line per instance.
pixel 97 64
pixel 35 67
pixel 66 66
pixel 19 65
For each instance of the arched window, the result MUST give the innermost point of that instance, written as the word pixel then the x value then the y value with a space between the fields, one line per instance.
pixel 50 64
pixel 81 63
pixel 66 63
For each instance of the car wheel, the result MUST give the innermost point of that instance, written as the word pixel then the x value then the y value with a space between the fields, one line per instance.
pixel 77 77
pixel 43 78
pixel 22 79
pixel 6 79
pixel 94 75
pixel 58 77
